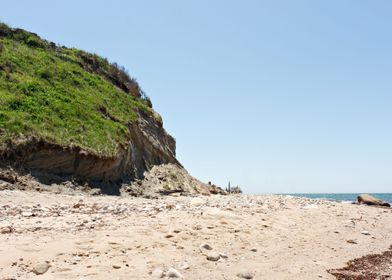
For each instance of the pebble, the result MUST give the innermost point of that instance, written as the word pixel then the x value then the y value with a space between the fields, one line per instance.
pixel 27 214
pixel 184 266
pixel 5 230
pixel 41 268
pixel 158 273
pixel 213 256
pixel 365 232
pixel 172 273
pixel 197 201
pixel 205 246
pixel 245 274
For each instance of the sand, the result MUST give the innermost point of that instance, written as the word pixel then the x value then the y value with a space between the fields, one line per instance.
pixel 107 237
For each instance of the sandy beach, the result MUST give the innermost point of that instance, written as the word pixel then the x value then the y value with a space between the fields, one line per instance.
pixel 205 237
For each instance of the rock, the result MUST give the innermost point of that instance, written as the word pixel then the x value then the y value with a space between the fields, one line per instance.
pixel 158 273
pixel 184 266
pixel 213 256
pixel 27 214
pixel 253 250
pixel 41 268
pixel 223 255
pixel 310 206
pixel 115 266
pixel 245 274
pixel 7 229
pixel 365 232
pixel 172 273
pixel 197 201
pixel 205 246
pixel 371 200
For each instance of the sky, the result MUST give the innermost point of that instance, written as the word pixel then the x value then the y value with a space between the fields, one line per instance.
pixel 274 96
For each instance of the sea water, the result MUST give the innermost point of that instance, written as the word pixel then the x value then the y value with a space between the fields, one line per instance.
pixel 343 196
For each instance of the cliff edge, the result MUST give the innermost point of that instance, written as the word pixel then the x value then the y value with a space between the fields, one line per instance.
pixel 66 114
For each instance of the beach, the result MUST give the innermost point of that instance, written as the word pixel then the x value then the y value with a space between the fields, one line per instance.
pixel 205 237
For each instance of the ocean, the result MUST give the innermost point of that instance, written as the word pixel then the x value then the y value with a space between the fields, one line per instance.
pixel 343 196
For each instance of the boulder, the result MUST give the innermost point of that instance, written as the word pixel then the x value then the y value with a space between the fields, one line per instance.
pixel 371 200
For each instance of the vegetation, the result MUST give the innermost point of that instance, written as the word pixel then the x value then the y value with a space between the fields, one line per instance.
pixel 63 95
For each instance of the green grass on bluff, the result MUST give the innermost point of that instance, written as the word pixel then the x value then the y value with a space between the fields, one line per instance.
pixel 63 96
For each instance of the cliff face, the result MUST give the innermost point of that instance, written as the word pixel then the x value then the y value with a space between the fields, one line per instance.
pixel 149 145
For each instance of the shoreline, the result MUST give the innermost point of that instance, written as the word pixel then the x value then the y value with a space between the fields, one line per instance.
pixel 266 236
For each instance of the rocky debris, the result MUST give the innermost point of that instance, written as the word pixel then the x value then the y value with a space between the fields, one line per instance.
pixel 371 200
pixel 245 274
pixel 169 179
pixel 41 268
pixel 173 273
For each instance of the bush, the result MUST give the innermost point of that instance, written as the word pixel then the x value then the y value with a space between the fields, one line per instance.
pixel 5 30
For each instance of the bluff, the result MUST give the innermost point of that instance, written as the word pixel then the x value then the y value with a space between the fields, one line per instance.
pixel 66 113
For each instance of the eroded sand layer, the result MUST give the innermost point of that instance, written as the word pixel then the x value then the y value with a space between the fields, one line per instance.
pixel 215 237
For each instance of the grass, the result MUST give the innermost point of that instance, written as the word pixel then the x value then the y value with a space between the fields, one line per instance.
pixel 53 94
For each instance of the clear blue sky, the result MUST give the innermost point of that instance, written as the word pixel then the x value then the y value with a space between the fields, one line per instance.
pixel 276 96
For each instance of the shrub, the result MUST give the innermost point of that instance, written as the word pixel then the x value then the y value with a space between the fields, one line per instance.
pixel 5 30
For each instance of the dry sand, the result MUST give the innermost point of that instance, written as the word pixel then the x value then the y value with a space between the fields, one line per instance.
pixel 267 237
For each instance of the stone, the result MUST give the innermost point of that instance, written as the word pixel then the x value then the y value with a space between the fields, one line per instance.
pixel 205 246
pixel 27 214
pixel 310 206
pixel 245 274
pixel 223 255
pixel 213 256
pixel 197 201
pixel 371 200
pixel 158 273
pixel 365 232
pixel 184 266
pixel 115 266
pixel 172 273
pixel 7 229
pixel 41 268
